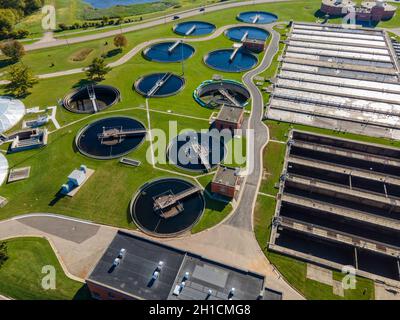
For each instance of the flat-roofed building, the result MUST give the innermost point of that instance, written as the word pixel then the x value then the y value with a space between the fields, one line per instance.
pixel 255 45
pixel 338 78
pixel 373 11
pixel 134 268
pixel 229 117
pixel 226 181
pixel 336 7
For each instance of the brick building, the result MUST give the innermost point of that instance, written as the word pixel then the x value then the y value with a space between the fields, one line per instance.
pixel 226 182
pixel 255 45
pixel 229 117
pixel 373 11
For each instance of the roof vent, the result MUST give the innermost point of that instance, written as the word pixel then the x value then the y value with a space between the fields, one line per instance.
pixel 122 253
pixel 116 262
pixel 156 274
pixel 160 265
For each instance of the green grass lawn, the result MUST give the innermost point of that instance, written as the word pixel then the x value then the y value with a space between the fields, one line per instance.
pixel 51 165
pixel 105 197
pixel 274 155
pixel 21 275
pixel 215 213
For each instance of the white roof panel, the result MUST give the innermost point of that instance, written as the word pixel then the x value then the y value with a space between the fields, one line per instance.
pixel 340 53
pixel 340 81
pixel 3 168
pixel 340 34
pixel 11 112
pixel 326 46
pixel 339 40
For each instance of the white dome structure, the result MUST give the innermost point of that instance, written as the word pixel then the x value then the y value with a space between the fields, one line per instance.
pixel 11 112
pixel 3 168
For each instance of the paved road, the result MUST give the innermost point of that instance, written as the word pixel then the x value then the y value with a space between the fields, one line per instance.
pixel 144 25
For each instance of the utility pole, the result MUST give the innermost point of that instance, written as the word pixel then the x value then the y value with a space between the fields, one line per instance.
pixel 183 63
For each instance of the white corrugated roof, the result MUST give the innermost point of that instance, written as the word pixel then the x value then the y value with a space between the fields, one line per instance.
pixel 3 168
pixel 11 112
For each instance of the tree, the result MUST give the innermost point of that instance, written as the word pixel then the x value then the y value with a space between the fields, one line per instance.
pixel 62 26
pixel 97 70
pixel 21 80
pixel 3 253
pixel 13 49
pixel 120 41
pixel 8 19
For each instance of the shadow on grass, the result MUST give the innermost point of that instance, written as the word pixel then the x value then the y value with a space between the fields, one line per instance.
pixel 112 53
pixel 215 204
pixel 82 83
pixel 83 294
pixel 6 62
pixel 58 196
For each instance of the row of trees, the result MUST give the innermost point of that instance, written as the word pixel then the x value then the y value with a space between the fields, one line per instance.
pixel 22 7
pixel 22 80
pixel 95 24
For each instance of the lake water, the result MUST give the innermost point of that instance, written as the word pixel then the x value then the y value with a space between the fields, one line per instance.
pixel 102 4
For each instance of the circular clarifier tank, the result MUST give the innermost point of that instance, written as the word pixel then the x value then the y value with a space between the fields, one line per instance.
pixel 194 28
pixel 213 94
pixel 169 52
pixel 257 17
pixel 167 207
pixel 195 151
pixel 110 138
pixel 159 85
pixel 231 60
pixel 237 34
pixel 92 98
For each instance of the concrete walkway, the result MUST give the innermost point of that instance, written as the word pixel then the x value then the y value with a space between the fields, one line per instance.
pixel 78 245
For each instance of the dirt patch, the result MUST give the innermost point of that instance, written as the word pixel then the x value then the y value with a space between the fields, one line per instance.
pixel 81 55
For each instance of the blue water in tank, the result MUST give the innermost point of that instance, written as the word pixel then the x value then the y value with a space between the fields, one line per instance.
pixel 201 28
pixel 264 17
pixel 220 60
pixel 237 33
pixel 159 52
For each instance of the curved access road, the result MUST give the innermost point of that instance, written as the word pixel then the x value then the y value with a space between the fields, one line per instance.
pixel 144 25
